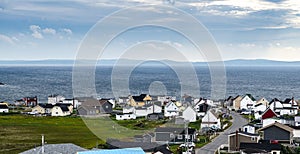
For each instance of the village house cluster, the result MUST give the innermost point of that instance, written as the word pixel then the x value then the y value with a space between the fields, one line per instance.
pixel 271 124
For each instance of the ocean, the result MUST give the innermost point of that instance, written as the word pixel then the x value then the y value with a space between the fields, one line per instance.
pixel 41 81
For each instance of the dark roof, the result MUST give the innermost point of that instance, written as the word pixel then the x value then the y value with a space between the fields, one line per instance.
pixel 261 146
pixel 249 124
pixel 104 101
pixel 3 106
pixel 123 97
pixel 244 133
pixel 44 105
pixel 69 99
pixel 54 95
pixel 258 104
pixel 274 100
pixel 163 149
pixel 236 97
pixel 64 108
pixel 287 101
pixel 250 96
pixel 279 125
pixel 175 130
pixel 139 98
pixel 229 98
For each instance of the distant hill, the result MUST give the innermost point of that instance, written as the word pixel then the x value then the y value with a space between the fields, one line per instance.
pixel 111 62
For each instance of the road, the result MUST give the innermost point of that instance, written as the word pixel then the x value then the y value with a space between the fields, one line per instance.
pixel 210 148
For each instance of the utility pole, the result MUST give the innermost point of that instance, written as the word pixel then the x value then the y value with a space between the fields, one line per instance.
pixel 43 143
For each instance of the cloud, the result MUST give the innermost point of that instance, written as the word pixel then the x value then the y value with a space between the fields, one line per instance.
pixel 67 31
pixel 6 39
pixel 36 31
pixel 49 31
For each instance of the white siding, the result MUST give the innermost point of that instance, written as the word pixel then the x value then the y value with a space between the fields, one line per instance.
pixel 189 114
pixel 249 129
pixel 4 110
pixel 210 120
pixel 125 116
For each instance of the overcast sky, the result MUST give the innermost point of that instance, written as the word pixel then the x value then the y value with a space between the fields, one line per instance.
pixel 242 29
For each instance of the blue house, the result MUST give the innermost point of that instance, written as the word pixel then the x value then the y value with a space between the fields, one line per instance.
pixel 115 151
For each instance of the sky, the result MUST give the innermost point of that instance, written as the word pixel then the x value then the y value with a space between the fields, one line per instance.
pixel 241 29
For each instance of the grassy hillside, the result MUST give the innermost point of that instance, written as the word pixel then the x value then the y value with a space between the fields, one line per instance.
pixel 21 132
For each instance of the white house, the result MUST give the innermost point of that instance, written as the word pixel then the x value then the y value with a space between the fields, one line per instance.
pixel 287 107
pixel 247 102
pixel 275 104
pixel 53 99
pixel 164 98
pixel 171 110
pixel 201 108
pixel 61 110
pixel 128 109
pixel 142 112
pixel 260 107
pixel 125 116
pixel 297 121
pixel 123 100
pixel 269 121
pixel 73 101
pixel 4 108
pixel 211 119
pixel 249 128
pixel 189 114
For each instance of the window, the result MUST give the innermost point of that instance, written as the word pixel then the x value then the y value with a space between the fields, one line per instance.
pixel 106 106
pixel 179 137
pixel 252 138
pixel 187 137
pixel 172 135
pixel 56 112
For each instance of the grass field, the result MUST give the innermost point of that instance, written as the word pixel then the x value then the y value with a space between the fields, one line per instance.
pixel 21 132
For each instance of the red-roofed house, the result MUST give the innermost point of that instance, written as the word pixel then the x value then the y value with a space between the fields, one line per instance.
pixel 269 113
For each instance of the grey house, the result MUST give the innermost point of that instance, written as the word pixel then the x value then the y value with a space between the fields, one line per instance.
pixel 106 106
pixel 277 131
pixel 95 107
pixel 155 116
pixel 174 135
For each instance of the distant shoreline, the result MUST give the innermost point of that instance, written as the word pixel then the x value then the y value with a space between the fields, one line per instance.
pixel 127 62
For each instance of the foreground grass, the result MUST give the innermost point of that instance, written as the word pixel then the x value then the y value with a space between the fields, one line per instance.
pixel 20 132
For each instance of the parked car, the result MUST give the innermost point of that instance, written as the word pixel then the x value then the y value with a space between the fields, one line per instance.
pixel 246 112
pixel 189 144
pixel 258 125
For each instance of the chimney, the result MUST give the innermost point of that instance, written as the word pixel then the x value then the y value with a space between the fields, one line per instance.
pixel 236 140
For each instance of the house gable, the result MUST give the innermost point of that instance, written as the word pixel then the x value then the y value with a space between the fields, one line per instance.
pixel 269 113
pixel 277 131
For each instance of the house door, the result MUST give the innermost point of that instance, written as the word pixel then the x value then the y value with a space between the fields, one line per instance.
pixel 246 130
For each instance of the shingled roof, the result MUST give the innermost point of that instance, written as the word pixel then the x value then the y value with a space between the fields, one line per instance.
pixel 67 148
pixel 277 124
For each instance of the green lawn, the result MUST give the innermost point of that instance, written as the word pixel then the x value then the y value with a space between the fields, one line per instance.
pixel 21 132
